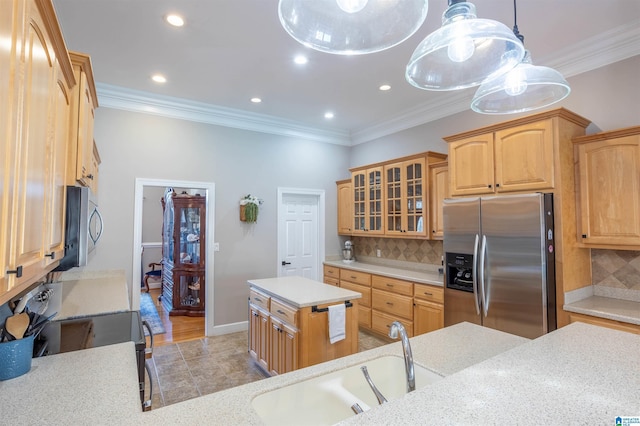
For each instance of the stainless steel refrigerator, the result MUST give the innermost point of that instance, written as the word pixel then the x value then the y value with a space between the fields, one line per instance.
pixel 500 266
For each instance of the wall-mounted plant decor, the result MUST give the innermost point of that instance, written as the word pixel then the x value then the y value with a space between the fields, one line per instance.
pixel 249 207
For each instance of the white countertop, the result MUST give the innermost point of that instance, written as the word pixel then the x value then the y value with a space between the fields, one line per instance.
pixel 421 277
pixel 93 386
pixel 95 294
pixel 579 374
pixel 607 307
pixel 301 292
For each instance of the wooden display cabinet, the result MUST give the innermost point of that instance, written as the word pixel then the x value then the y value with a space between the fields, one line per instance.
pixel 183 254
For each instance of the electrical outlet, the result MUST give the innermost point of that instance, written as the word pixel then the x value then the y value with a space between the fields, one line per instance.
pixel 216 246
pixel 378 252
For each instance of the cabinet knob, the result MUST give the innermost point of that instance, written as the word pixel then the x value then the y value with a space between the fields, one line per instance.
pixel 489 186
pixel 584 235
pixel 90 176
pixel 52 255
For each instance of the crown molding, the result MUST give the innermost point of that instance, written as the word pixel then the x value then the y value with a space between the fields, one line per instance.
pixel 165 106
pixel 612 46
pixel 609 47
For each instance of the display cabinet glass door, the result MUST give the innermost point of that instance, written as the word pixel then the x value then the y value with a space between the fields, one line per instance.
pixel 190 248
pixel 167 228
pixel 414 183
pixel 374 200
pixel 188 290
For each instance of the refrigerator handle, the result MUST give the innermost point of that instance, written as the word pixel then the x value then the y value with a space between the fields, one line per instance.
pixel 475 274
pixel 483 291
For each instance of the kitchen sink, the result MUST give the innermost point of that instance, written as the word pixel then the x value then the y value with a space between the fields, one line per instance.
pixel 327 399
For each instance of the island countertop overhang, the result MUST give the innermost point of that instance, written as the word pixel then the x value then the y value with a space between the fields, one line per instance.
pixel 303 292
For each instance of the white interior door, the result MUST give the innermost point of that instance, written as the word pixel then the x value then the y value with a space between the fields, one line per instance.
pixel 300 251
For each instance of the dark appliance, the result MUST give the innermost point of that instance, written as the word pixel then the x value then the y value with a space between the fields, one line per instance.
pixel 83 227
pixel 500 263
pixel 99 330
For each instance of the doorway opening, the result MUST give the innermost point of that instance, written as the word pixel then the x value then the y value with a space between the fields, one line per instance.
pixel 208 190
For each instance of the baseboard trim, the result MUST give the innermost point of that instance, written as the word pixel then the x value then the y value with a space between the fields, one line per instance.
pixel 219 330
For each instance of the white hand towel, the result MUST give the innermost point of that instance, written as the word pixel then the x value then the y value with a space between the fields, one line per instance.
pixel 337 318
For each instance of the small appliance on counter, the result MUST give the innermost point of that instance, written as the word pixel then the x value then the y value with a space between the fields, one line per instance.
pixel 348 255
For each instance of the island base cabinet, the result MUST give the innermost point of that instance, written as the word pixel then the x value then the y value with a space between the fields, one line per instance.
pixel 283 338
pixel 283 348
pixel 259 337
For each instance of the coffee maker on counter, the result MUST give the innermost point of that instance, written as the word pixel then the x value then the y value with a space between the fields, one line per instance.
pixel 348 255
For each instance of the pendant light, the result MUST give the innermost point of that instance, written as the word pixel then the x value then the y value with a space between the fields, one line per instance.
pixel 526 87
pixel 351 27
pixel 464 51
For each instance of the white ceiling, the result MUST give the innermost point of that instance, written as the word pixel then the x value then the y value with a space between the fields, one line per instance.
pixel 232 50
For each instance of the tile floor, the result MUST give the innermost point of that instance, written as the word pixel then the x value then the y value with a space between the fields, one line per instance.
pixel 190 369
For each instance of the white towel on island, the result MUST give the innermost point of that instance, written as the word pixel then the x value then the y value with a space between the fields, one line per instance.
pixel 337 319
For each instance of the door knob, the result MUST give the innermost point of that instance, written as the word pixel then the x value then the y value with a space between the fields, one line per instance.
pixel 285 263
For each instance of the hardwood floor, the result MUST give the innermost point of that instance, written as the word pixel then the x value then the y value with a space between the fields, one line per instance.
pixel 178 328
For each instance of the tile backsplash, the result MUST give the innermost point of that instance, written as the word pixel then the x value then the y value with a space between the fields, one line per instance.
pixel 418 251
pixel 616 268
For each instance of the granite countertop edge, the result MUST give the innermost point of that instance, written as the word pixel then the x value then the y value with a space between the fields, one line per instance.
pixel 420 277
pixel 607 307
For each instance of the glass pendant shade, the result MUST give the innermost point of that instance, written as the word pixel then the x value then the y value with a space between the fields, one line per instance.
pixel 351 27
pixel 526 87
pixel 464 52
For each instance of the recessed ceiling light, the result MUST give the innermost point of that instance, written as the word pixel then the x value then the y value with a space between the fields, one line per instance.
pixel 328 115
pixel 256 100
pixel 158 78
pixel 385 87
pixel 300 60
pixel 175 20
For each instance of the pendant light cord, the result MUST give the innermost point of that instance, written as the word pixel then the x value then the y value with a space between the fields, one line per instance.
pixel 515 24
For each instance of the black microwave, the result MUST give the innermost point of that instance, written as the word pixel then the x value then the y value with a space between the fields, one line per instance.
pixel 83 227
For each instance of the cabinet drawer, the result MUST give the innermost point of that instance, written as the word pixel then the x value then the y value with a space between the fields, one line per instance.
pixel 259 299
pixel 285 312
pixel 366 292
pixel 331 271
pixel 355 277
pixel 381 323
pixel 393 285
pixel 429 292
pixel 393 304
pixel 331 281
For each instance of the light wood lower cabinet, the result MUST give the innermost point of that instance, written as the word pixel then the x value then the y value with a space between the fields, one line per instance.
pixel 331 275
pixel 283 338
pixel 603 322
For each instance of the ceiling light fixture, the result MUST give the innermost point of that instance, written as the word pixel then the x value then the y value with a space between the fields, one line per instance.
pixel 384 88
pixel 464 52
pixel 328 115
pixel 351 27
pixel 256 100
pixel 174 20
pixel 300 60
pixel 525 88
pixel 158 78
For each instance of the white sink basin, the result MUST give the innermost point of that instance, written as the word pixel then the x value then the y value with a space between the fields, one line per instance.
pixel 328 399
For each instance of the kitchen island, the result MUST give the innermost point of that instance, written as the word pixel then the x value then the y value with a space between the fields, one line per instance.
pixel 579 374
pixel 290 327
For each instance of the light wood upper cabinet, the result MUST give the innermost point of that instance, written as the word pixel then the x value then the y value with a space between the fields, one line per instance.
pixel 406 186
pixel 438 191
pixel 517 158
pixel 84 101
pixel 35 78
pixel 524 157
pixel 345 207
pixel 366 185
pixel 471 165
pixel 609 189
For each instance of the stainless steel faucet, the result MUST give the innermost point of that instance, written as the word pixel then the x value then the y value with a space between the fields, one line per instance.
pixel 408 356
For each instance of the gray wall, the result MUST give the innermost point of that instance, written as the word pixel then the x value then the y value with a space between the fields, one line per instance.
pixel 134 145
pixel 240 162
